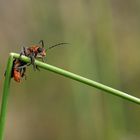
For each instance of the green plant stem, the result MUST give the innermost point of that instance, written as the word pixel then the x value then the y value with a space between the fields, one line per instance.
pixel 81 79
pixel 6 89
pixel 65 73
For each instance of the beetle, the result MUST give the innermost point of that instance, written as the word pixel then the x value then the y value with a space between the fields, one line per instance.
pixel 37 51
pixel 18 70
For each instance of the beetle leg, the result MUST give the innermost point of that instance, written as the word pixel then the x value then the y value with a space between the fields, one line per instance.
pixel 21 67
pixel 42 43
pixel 42 58
pixel 29 64
pixel 23 52
pixel 23 73
pixel 32 57
pixel 37 68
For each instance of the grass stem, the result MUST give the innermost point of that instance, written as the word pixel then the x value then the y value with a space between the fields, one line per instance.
pixel 6 89
pixel 57 70
pixel 81 79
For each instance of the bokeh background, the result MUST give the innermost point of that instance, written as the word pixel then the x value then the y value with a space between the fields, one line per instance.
pixel 104 37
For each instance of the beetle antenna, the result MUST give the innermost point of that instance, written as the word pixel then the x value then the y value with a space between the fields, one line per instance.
pixel 56 45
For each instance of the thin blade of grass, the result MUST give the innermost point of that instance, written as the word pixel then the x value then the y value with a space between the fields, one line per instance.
pixel 81 79
pixel 6 89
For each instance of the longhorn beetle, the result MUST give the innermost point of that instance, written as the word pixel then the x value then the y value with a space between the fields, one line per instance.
pixel 37 51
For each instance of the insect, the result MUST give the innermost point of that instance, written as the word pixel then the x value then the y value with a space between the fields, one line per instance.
pixel 37 51
pixel 18 70
pixel 33 52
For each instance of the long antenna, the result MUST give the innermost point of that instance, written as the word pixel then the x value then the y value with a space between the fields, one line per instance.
pixel 59 44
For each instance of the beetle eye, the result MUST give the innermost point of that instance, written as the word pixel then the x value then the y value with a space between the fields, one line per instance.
pixel 40 50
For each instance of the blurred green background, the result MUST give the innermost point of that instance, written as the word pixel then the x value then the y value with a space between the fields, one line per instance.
pixel 104 37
